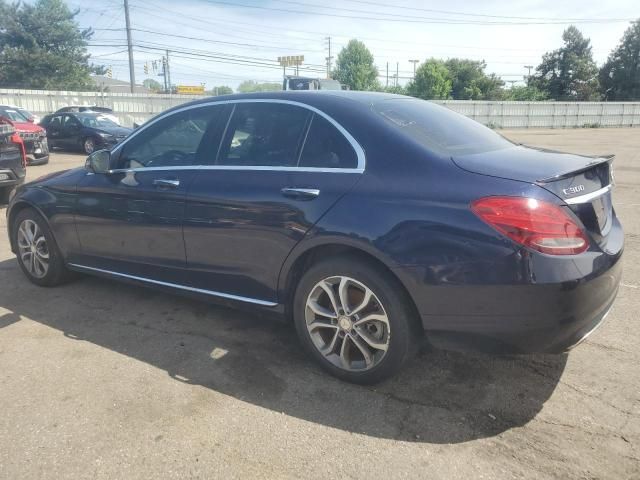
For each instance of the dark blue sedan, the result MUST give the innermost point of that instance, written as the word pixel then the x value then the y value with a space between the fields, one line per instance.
pixel 369 220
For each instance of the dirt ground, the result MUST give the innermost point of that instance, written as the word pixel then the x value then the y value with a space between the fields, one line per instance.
pixel 104 380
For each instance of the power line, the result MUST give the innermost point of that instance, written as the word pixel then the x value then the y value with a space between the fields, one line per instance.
pixel 385 18
pixel 508 17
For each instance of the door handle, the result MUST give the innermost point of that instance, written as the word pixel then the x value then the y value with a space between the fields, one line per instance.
pixel 300 193
pixel 166 183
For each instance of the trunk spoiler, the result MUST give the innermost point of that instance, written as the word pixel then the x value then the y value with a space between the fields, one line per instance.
pixel 597 160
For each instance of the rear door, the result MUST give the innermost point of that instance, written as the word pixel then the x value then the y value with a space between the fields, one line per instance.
pixel 129 221
pixel 279 168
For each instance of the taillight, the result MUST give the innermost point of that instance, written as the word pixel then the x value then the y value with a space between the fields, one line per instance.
pixel 533 223
pixel 15 138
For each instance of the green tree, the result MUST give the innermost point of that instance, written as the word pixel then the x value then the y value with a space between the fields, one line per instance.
pixel 432 81
pixel 355 68
pixel 569 73
pixel 620 75
pixel 249 86
pixel 470 82
pixel 42 47
pixel 153 85
pixel 223 90
pixel 524 93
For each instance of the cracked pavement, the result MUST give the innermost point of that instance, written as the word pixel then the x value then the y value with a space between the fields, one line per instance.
pixel 106 380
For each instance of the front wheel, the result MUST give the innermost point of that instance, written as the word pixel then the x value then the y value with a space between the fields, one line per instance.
pixel 37 251
pixel 354 319
pixel 89 145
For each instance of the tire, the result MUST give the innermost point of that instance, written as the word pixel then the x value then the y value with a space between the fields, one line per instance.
pixel 55 272
pixel 394 338
pixel 5 193
pixel 88 145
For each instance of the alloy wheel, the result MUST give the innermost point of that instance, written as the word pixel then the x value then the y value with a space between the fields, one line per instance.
pixel 347 323
pixel 32 245
pixel 89 146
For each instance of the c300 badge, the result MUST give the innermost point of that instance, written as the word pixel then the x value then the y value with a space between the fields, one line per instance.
pixel 573 190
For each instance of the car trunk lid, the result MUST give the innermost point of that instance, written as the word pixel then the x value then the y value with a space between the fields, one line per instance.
pixel 584 183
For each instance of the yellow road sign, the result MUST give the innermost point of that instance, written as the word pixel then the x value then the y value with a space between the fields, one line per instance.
pixel 190 89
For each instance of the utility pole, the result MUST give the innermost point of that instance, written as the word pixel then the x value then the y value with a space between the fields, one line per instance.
pixel 329 58
pixel 387 74
pixel 528 67
pixel 414 67
pixel 132 73
pixel 397 72
pixel 168 74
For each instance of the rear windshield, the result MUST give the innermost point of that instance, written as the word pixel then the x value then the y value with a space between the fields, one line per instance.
pixel 439 128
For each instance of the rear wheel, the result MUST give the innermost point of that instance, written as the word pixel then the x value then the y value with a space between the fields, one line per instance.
pixel 354 319
pixel 38 254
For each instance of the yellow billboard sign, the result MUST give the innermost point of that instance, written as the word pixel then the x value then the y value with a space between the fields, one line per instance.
pixel 190 89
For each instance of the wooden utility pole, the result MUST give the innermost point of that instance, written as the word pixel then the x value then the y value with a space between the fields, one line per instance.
pixel 132 73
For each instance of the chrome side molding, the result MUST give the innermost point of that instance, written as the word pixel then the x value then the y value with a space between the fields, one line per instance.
pixel 213 293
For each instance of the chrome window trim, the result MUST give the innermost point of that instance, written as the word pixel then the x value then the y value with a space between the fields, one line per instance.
pixel 354 144
pixel 228 296
pixel 587 197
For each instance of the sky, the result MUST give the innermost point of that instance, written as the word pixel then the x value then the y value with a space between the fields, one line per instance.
pixel 223 42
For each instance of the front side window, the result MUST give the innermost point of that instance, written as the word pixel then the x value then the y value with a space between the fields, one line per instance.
pixel 70 122
pixel 326 147
pixel 172 141
pixel 264 134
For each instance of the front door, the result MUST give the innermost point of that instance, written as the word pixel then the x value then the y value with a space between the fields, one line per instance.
pixel 130 220
pixel 279 168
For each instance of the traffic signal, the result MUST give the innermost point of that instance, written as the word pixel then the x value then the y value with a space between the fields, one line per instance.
pixel 146 68
pixel 109 72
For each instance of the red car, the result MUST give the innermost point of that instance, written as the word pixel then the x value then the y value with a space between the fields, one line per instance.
pixel 33 136
pixel 12 160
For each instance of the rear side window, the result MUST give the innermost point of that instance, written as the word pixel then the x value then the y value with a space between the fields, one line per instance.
pixel 438 128
pixel 264 134
pixel 326 147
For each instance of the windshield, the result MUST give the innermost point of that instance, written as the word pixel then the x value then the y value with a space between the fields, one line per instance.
pixel 12 114
pixel 439 128
pixel 96 121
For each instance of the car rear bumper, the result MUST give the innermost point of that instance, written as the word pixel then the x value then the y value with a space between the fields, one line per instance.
pixel 553 306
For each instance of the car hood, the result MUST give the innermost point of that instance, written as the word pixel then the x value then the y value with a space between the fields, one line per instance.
pixel 117 131
pixel 28 127
pixel 525 164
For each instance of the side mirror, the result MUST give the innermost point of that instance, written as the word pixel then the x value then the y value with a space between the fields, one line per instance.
pixel 31 120
pixel 99 161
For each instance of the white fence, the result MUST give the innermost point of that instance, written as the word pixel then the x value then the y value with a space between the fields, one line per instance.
pixel 129 107
pixel 139 107
pixel 548 114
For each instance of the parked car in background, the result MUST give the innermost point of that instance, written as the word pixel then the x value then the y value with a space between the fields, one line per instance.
pixel 370 220
pixel 87 131
pixel 33 136
pixel 105 111
pixel 13 160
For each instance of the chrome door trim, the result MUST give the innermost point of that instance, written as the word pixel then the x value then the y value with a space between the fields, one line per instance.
pixel 213 293
pixel 237 168
pixel 587 197
pixel 354 144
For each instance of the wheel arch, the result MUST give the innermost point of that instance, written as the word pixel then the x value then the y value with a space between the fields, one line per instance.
pixel 16 208
pixel 301 259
